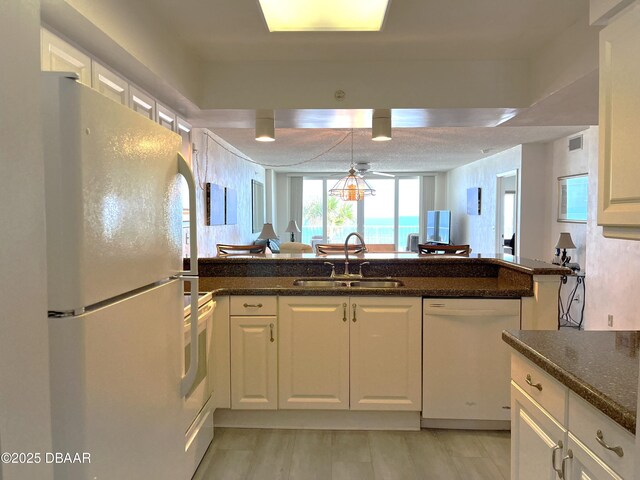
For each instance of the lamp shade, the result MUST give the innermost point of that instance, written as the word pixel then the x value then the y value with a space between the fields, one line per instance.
pixel 565 241
pixel 267 232
pixel 292 227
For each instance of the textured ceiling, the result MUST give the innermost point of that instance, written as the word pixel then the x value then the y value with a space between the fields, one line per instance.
pixel 234 30
pixel 411 150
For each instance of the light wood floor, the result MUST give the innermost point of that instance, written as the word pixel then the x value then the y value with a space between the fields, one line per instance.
pixel 354 455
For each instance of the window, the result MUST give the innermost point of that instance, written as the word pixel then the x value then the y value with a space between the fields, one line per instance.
pixel 342 217
pixel 572 198
pixel 379 212
pixel 312 210
pixel 387 218
pixel 408 210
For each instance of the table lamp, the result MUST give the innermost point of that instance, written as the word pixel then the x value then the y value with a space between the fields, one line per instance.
pixel 293 229
pixel 565 242
pixel 267 234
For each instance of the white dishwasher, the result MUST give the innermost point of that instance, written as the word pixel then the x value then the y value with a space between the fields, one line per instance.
pixel 466 365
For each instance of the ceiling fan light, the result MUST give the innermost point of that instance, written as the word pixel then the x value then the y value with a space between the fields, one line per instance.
pixel 381 125
pixel 265 129
pixel 352 188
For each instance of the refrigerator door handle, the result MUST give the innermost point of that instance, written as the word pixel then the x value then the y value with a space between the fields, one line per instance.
pixel 189 378
pixel 185 170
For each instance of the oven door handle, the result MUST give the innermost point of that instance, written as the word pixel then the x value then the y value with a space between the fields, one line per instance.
pixel 189 379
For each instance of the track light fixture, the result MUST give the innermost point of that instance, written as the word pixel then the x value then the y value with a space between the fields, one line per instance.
pixel 381 129
pixel 265 126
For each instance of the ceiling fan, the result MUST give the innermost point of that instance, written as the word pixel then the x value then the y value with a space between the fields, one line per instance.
pixel 363 167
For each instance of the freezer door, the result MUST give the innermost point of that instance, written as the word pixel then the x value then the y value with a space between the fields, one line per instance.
pixel 112 197
pixel 115 388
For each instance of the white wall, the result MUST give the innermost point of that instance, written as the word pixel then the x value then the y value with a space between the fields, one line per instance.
pixel 479 231
pixel 566 163
pixel 25 423
pixel 612 266
pixel 534 201
pixel 223 168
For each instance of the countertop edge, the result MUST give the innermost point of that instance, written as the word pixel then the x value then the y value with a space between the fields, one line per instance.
pixel 357 291
pixel 599 400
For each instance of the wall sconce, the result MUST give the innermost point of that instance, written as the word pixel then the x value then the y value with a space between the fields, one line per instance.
pixel 265 126
pixel 381 125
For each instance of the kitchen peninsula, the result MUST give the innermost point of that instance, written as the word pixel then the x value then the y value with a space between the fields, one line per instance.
pixel 423 351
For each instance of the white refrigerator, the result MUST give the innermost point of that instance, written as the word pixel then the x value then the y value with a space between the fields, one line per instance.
pixel 115 287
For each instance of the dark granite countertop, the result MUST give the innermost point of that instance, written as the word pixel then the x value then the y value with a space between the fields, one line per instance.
pixel 497 287
pixel 380 265
pixel 601 367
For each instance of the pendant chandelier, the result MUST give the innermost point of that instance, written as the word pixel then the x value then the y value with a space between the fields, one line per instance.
pixel 353 187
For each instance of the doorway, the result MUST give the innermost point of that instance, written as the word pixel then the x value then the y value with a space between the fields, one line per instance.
pixel 507 213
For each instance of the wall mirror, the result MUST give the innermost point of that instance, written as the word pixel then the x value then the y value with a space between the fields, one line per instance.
pixel 257 206
pixel 573 194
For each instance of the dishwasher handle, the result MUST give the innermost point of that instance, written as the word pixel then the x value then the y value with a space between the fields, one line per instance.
pixel 442 311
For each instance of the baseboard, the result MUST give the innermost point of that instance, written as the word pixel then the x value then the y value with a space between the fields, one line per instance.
pixel 465 424
pixel 317 419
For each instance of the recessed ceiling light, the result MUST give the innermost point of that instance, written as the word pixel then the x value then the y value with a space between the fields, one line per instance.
pixel 324 15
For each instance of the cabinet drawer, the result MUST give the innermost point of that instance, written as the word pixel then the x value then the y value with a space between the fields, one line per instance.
pixel 552 395
pixel 253 305
pixel 585 421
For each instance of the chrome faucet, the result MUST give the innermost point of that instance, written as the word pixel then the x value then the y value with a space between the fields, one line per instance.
pixel 346 253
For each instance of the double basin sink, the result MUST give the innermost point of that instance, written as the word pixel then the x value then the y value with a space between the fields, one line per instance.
pixel 347 282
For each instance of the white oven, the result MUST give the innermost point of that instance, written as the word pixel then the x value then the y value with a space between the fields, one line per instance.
pixel 198 407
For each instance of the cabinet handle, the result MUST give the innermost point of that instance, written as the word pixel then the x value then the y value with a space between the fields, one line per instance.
pixel 271 332
pixel 558 446
pixel 354 313
pixel 563 471
pixel 600 439
pixel 252 305
pixel 534 385
pixel 344 312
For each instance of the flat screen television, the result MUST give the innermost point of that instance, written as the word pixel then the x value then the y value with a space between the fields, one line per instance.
pixel 438 226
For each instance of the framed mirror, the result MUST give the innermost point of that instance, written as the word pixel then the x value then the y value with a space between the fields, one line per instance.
pixel 573 194
pixel 257 206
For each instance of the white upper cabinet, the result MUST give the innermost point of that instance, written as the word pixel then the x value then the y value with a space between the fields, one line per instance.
pixel 166 117
pixel 142 103
pixel 109 84
pixel 184 130
pixel 619 168
pixel 56 55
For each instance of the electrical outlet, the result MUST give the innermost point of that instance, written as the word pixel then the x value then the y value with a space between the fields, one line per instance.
pixel 610 320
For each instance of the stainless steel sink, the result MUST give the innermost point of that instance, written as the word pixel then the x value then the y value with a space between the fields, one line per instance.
pixel 355 283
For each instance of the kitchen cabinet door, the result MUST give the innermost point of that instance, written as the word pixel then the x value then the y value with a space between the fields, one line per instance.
pixel 166 117
pixel 619 169
pixel 314 353
pixel 537 440
pixel 386 359
pixel 56 55
pixel 142 103
pixel 109 84
pixel 254 356
pixel 583 464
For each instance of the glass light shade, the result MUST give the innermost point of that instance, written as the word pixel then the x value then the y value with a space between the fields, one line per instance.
pixel 267 232
pixel 352 188
pixel 565 241
pixel 324 15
